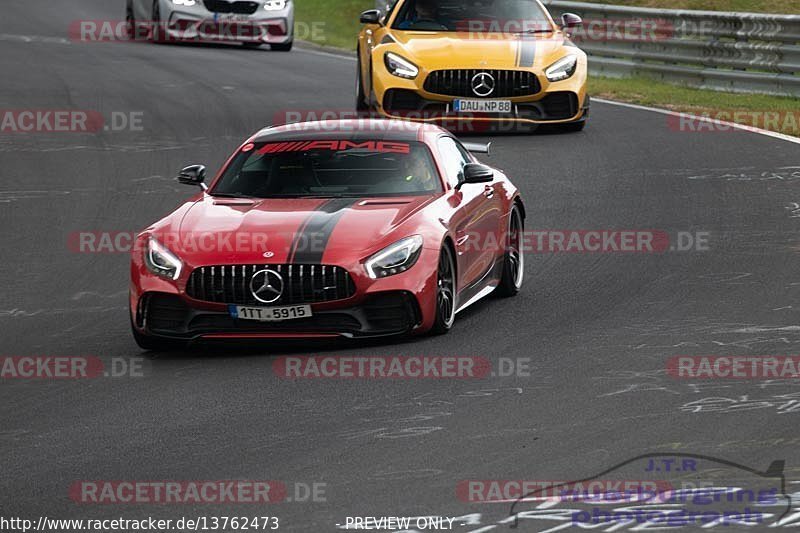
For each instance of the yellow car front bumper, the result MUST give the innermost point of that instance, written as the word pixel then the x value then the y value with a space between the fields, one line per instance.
pixel 420 99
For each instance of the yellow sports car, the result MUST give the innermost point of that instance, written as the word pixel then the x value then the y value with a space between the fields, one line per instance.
pixel 472 64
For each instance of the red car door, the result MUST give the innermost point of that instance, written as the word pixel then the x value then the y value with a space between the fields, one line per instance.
pixel 475 220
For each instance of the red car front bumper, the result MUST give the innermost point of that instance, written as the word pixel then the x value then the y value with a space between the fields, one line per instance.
pixel 396 305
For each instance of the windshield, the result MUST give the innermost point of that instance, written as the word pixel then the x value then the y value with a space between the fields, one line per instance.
pixel 500 16
pixel 330 169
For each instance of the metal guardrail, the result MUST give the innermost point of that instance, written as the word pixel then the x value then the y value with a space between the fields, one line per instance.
pixel 742 52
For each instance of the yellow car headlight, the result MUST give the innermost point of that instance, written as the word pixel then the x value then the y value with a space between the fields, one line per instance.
pixel 400 67
pixel 562 69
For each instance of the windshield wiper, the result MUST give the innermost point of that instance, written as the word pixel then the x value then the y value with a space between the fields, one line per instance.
pixel 230 195
pixel 532 31
pixel 309 196
pixel 318 196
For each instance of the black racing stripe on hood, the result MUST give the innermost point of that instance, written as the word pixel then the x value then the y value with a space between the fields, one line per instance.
pixel 527 52
pixel 312 238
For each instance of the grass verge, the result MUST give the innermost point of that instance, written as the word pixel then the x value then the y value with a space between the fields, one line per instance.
pixel 330 22
pixel 774 113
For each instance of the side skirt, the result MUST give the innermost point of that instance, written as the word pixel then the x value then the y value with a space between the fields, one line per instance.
pixel 483 287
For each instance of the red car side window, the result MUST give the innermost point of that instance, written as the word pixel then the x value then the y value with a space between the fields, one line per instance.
pixel 453 158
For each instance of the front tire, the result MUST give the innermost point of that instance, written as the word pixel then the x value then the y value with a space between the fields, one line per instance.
pixel 283 47
pixel 573 127
pixel 445 293
pixel 157 33
pixel 514 260
pixel 361 98
pixel 155 344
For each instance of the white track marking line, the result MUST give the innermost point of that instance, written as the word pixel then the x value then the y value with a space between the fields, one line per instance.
pixel 742 127
pixel 327 54
pixel 33 39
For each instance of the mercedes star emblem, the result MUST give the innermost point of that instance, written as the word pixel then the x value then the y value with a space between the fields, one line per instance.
pixel 483 84
pixel 266 286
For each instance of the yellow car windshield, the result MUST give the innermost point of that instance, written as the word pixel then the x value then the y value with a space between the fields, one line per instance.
pixel 496 16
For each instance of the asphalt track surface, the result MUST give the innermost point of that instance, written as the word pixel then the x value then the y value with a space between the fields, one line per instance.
pixel 597 328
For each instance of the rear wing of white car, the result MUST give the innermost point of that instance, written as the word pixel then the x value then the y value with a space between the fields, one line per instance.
pixel 479 148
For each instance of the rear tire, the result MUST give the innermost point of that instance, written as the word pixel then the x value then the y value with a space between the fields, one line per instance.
pixel 157 32
pixel 445 293
pixel 284 47
pixel 514 260
pixel 130 22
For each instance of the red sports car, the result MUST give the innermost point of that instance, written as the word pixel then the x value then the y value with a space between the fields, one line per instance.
pixel 359 228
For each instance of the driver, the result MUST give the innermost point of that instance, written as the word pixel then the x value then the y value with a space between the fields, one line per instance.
pixel 424 11
pixel 418 176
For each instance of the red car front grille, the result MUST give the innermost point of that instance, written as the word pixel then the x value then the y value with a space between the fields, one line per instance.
pixel 302 284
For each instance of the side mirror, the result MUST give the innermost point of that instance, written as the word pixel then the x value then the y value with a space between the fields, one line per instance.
pixel 373 16
pixel 477 173
pixel 571 20
pixel 193 175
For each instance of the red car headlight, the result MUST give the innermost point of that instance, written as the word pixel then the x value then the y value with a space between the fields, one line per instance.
pixel 395 258
pixel 161 261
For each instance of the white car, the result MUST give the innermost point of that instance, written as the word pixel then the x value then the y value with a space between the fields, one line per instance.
pixel 251 23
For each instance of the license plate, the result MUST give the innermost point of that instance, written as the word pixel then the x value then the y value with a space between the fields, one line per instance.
pixel 231 18
pixel 270 314
pixel 482 106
